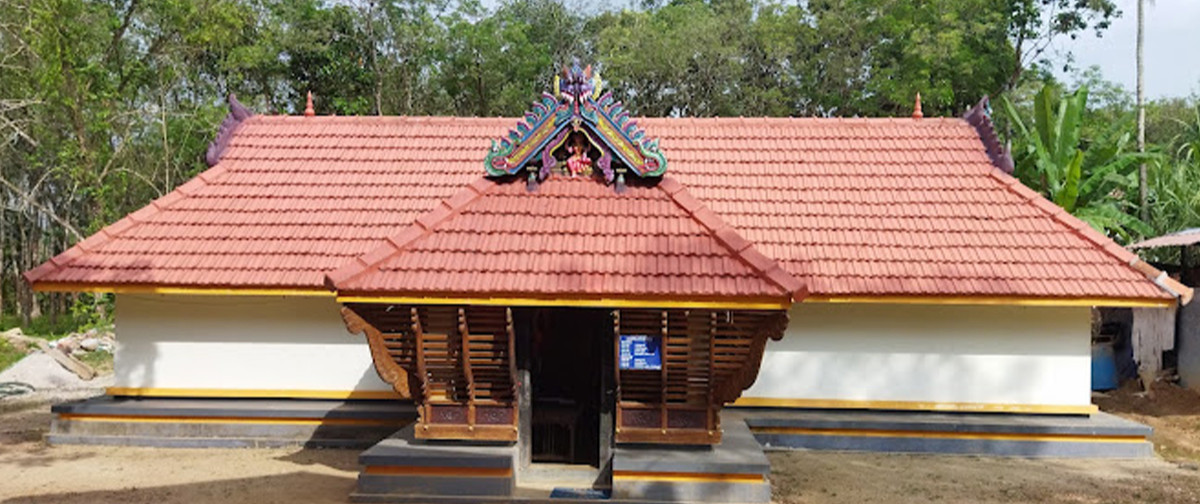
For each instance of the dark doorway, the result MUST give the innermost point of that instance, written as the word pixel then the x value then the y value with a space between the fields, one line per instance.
pixel 570 351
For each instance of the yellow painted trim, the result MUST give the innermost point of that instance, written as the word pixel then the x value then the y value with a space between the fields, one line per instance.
pixel 995 436
pixel 993 300
pixel 687 477
pixel 588 303
pixel 190 291
pixel 607 302
pixel 469 472
pixel 229 419
pixel 1047 409
pixel 253 393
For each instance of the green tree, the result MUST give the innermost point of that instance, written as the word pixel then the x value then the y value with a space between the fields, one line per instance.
pixel 1034 25
pixel 490 65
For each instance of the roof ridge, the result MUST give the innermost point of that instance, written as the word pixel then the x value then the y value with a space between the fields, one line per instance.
pixel 1088 233
pixel 420 227
pixel 979 117
pixel 112 231
pixel 238 114
pixel 729 237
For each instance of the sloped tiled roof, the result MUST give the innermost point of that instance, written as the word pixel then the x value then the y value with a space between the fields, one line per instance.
pixel 574 237
pixel 291 199
pixel 883 207
pixel 852 207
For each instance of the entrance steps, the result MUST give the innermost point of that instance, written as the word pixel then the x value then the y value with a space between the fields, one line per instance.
pixel 401 469
pixel 736 470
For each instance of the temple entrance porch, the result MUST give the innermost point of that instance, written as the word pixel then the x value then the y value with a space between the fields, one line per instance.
pixel 566 353
pixel 550 399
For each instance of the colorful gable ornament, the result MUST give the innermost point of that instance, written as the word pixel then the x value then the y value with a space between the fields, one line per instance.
pixel 575 132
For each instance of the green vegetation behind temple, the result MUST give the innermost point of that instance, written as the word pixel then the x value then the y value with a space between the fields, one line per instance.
pixel 86 313
pixel 106 105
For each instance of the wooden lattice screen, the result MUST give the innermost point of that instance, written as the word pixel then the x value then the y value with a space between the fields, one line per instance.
pixel 457 364
pixel 708 358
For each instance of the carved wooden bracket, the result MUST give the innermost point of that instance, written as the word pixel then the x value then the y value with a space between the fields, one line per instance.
pixel 386 367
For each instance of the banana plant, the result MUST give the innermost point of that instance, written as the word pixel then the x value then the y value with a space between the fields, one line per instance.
pixel 1093 185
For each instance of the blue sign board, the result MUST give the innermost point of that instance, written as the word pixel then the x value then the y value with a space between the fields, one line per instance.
pixel 639 351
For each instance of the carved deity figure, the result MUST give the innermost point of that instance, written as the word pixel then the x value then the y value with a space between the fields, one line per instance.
pixel 578 163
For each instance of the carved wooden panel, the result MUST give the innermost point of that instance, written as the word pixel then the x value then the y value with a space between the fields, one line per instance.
pixel 708 358
pixel 456 363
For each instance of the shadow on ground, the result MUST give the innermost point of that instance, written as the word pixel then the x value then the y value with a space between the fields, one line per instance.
pixel 342 460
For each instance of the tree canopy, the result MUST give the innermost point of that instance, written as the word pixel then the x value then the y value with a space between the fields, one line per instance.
pixel 107 104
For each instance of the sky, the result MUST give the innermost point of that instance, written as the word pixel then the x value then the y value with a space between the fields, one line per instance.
pixel 1172 48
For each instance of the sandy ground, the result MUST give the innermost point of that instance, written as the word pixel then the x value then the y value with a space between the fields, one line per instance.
pixel 1173 412
pixel 35 473
pixel 824 477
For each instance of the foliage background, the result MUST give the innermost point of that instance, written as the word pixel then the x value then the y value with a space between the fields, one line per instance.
pixel 107 104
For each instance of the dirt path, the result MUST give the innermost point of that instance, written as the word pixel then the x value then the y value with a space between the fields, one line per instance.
pixel 36 473
pixel 1173 412
pixel 825 477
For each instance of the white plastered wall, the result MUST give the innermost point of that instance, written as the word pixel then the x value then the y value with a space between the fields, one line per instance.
pixel 1009 355
pixel 239 343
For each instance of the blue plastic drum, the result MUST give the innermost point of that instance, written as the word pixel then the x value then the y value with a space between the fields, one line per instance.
pixel 1104 366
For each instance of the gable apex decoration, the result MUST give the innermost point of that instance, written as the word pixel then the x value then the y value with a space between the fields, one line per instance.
pixel 578 105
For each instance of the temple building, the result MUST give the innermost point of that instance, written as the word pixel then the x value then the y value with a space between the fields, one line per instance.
pixel 615 295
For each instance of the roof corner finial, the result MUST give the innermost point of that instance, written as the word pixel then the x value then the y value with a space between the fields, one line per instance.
pixel 917 114
pixel 308 107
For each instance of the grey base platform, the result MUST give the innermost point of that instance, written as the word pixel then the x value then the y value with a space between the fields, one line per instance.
pixel 227 423
pixel 734 471
pixel 402 468
pixel 195 422
pixel 1098 435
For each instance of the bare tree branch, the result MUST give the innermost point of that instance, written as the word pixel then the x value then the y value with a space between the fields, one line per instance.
pixel 41 208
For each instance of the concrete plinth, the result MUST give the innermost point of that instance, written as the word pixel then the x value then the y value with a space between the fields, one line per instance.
pixel 227 423
pixel 404 469
pixel 1098 435
pixel 735 471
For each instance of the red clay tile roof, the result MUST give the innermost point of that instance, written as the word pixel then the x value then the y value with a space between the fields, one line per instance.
pixel 291 199
pixel 892 207
pixel 574 237
pixel 853 207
